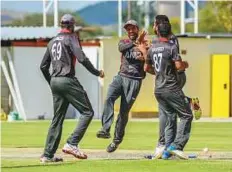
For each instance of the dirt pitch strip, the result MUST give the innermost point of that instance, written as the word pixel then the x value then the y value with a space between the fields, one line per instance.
pixel 34 153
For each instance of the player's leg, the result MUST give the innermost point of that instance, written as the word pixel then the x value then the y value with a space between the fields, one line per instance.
pixel 114 91
pixel 77 96
pixel 167 132
pixel 162 125
pixel 181 77
pixel 161 140
pixel 170 134
pixel 180 103
pixel 194 102
pixel 169 128
pixel 55 131
pixel 131 90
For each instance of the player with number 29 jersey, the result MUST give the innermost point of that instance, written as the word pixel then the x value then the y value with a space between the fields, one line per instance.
pixel 162 55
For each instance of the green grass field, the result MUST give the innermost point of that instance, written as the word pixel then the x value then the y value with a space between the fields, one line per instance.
pixel 139 136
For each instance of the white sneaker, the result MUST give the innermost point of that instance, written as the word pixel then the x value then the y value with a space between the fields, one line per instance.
pixel 159 152
pixel 179 154
pixel 74 150
pixel 44 159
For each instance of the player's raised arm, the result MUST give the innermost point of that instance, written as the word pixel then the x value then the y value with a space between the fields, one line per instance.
pixel 81 57
pixel 143 49
pixel 124 45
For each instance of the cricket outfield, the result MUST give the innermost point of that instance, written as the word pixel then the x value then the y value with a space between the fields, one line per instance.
pixel 22 144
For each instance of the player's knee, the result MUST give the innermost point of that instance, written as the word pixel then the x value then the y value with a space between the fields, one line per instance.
pixel 187 116
pixel 190 117
pixel 91 113
pixel 110 100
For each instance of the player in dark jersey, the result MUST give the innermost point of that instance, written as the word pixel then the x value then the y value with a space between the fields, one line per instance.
pixel 172 38
pixel 62 53
pixel 126 84
pixel 181 80
pixel 164 61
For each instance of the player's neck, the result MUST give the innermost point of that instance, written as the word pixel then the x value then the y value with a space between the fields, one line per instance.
pixel 65 31
pixel 163 39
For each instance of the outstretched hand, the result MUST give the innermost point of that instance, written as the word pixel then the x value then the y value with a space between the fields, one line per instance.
pixel 141 37
pixel 102 74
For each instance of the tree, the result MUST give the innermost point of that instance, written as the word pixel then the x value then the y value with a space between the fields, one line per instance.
pixel 175 24
pixel 224 14
pixel 138 13
pixel 209 20
pixel 36 19
pixel 135 13
pixel 214 17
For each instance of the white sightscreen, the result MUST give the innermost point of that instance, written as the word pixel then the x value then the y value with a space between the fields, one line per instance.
pixel 35 92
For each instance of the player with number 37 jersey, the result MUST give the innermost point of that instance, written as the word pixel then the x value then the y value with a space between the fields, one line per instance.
pixel 161 56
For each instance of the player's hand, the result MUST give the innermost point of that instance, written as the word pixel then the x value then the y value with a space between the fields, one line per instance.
pixel 147 43
pixel 141 36
pixel 102 74
pixel 186 64
pixel 142 47
pixel 139 55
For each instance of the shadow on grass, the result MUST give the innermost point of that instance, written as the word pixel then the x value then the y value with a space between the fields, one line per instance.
pixel 39 165
pixel 64 163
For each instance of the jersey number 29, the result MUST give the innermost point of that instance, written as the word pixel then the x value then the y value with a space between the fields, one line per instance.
pixel 56 50
pixel 157 59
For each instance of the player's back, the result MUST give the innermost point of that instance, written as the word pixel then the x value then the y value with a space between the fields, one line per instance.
pixel 63 61
pixel 163 54
pixel 172 39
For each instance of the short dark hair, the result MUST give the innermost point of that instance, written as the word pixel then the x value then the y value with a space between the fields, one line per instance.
pixel 164 29
pixel 161 18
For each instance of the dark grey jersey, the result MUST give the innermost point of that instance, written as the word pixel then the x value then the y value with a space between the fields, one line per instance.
pixel 162 56
pixel 131 66
pixel 172 39
pixel 62 52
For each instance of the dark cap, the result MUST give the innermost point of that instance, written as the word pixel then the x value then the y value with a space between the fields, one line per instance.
pixel 131 22
pixel 67 19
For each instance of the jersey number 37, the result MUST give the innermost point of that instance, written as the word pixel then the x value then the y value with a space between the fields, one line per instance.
pixel 56 50
pixel 157 57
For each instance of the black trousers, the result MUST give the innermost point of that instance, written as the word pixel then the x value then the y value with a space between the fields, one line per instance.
pixel 128 89
pixel 67 90
pixel 171 105
pixel 165 123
